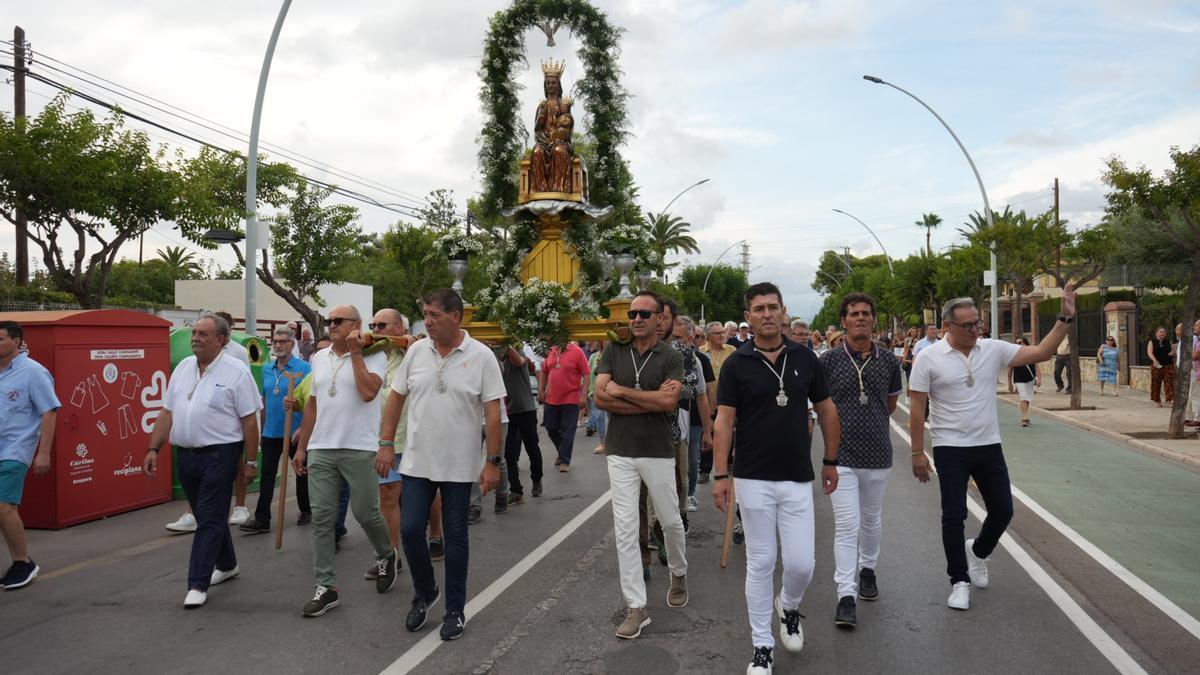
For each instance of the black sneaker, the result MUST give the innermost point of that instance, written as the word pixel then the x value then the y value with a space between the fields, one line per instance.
pixel 846 616
pixel 739 537
pixel 19 574
pixel 420 611
pixel 386 572
pixel 453 624
pixel 255 526
pixel 537 488
pixel 702 479
pixel 867 589
pixel 304 518
pixel 475 513
pixel 515 498
pixel 761 663
pixel 501 504
pixel 437 550
pixel 590 431
pixel 323 600
pixel 645 573
pixel 686 525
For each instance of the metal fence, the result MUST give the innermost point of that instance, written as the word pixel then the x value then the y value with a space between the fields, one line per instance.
pixel 1091 329
pixel 9 305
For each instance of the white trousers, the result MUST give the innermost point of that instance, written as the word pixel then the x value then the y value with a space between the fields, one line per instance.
pixel 1193 409
pixel 769 507
pixel 857 514
pixel 625 478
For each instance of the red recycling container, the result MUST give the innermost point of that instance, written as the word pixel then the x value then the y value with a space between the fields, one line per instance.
pixel 110 371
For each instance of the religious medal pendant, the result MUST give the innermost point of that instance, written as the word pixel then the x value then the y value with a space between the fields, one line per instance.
pixel 862 398
pixel 781 399
pixel 332 391
pixel 275 391
pixel 970 379
pixel 637 384
pixel 441 387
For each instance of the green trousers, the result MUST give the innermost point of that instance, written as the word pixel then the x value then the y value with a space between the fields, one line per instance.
pixel 326 469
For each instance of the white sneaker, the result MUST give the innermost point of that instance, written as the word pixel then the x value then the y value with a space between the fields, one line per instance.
pixel 194 599
pixel 240 515
pixel 960 596
pixel 976 567
pixel 693 504
pixel 223 575
pixel 186 523
pixel 790 632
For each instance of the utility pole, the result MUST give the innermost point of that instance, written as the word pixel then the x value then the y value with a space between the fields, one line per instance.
pixel 1058 254
pixel 19 118
pixel 746 259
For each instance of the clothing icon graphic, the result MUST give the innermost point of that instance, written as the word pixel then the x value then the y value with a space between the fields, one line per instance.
pixel 99 400
pixel 130 384
pixel 79 394
pixel 102 427
pixel 125 421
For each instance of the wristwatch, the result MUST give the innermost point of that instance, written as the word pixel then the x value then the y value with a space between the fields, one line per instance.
pixel 829 462
pixel 495 459
pixel 252 462
pixel 1065 319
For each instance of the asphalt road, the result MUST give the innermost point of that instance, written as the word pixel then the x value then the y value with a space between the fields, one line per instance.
pixel 544 596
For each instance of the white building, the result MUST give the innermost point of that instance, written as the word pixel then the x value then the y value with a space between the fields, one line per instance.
pixel 229 295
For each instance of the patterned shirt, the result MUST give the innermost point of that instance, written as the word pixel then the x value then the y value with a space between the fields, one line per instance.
pixel 866 438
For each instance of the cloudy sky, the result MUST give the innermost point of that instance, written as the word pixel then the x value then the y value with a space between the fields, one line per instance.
pixel 763 97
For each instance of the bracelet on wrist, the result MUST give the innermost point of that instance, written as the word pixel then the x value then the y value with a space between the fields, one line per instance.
pixel 149 450
pixel 829 462
pixel 920 453
pixel 386 444
pixel 720 476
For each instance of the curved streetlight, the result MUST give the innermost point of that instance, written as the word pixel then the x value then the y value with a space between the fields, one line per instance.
pixel 886 257
pixel 831 278
pixel 987 208
pixel 711 267
pixel 252 177
pixel 681 193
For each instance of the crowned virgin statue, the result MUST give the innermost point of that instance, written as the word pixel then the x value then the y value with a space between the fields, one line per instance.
pixel 553 162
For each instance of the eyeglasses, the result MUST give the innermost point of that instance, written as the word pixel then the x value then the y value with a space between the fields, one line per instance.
pixel 281 342
pixel 339 320
pixel 378 326
pixel 974 326
pixel 640 313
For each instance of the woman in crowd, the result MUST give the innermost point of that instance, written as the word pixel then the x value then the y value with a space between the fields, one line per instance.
pixel 1027 379
pixel 1106 364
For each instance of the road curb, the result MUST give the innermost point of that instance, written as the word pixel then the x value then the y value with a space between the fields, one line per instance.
pixel 1148 448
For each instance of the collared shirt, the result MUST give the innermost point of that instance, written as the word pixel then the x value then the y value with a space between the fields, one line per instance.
pixel 644 434
pixel 922 344
pixel 274 390
pixel 565 371
pixel 866 437
pixel 443 426
pixel 718 358
pixel 344 419
pixel 237 351
pixel 395 359
pixel 26 393
pixel 963 415
pixel 772 440
pixel 517 386
pixel 207 409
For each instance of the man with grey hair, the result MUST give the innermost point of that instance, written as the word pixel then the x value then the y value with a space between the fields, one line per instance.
pixel 958 375
pixel 717 351
pixel 800 332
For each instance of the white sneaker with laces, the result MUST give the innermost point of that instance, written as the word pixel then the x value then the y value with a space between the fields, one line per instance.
pixel 194 599
pixel 791 634
pixel 960 596
pixel 223 575
pixel 240 515
pixel 976 567
pixel 693 504
pixel 186 523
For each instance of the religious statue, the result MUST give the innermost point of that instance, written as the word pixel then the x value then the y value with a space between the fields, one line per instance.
pixel 553 170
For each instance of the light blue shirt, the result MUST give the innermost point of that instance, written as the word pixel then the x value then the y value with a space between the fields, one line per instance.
pixel 26 393
pixel 273 381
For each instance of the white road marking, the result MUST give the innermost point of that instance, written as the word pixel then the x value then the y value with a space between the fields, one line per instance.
pixel 1101 640
pixel 423 649
pixel 1162 602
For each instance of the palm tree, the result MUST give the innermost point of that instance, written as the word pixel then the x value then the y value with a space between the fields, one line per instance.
pixel 929 221
pixel 669 234
pixel 182 263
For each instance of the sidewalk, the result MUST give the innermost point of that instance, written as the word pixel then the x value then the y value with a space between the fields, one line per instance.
pixel 1130 418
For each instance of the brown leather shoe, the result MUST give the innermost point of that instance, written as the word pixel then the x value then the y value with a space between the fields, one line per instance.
pixel 635 619
pixel 677 596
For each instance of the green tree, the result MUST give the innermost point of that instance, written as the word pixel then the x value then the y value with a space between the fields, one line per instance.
pixel 669 234
pixel 1159 217
pixel 182 263
pixel 1021 243
pixel 89 184
pixel 929 221
pixel 153 281
pixel 960 273
pixel 440 214
pixel 212 191
pixel 720 300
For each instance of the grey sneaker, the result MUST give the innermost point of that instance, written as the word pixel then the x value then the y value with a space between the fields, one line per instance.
pixel 386 569
pixel 636 619
pixel 677 596
pixel 323 600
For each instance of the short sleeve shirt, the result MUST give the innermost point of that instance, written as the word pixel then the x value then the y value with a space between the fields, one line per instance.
pixel 772 440
pixel 344 420
pixel 517 386
pixel 208 409
pixel 565 370
pixel 708 376
pixel 26 393
pixel 274 390
pixel 644 434
pixel 866 436
pixel 443 422
pixel 962 393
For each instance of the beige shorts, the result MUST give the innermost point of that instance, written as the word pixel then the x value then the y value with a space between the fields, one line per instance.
pixel 1025 390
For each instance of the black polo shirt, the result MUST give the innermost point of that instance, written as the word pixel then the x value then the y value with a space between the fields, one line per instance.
pixel 772 441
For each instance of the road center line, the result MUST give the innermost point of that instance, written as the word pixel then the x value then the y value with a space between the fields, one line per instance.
pixel 1160 601
pixel 1100 639
pixel 423 649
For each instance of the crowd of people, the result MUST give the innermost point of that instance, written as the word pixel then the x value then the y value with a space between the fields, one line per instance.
pixel 411 433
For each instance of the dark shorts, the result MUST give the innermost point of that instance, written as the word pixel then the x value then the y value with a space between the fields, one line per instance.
pixel 12 481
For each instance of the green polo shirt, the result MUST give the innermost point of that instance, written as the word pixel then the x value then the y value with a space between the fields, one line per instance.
pixel 644 434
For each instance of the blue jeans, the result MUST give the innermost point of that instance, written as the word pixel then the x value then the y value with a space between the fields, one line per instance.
pixel 207 481
pixel 597 419
pixel 695 433
pixel 560 421
pixel 955 465
pixel 414 516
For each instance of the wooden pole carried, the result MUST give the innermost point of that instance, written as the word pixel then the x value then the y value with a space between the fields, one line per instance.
pixel 284 459
pixel 729 515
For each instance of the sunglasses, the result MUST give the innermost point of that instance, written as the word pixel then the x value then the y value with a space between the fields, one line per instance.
pixel 640 313
pixel 978 325
pixel 378 326
pixel 337 321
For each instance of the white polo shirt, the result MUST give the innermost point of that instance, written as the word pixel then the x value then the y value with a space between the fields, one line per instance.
pixel 237 351
pixel 962 415
pixel 443 432
pixel 219 400
pixel 344 420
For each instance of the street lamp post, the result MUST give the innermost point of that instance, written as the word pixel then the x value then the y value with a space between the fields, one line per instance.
pixel 885 253
pixel 684 190
pixel 987 208
pixel 252 177
pixel 711 267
